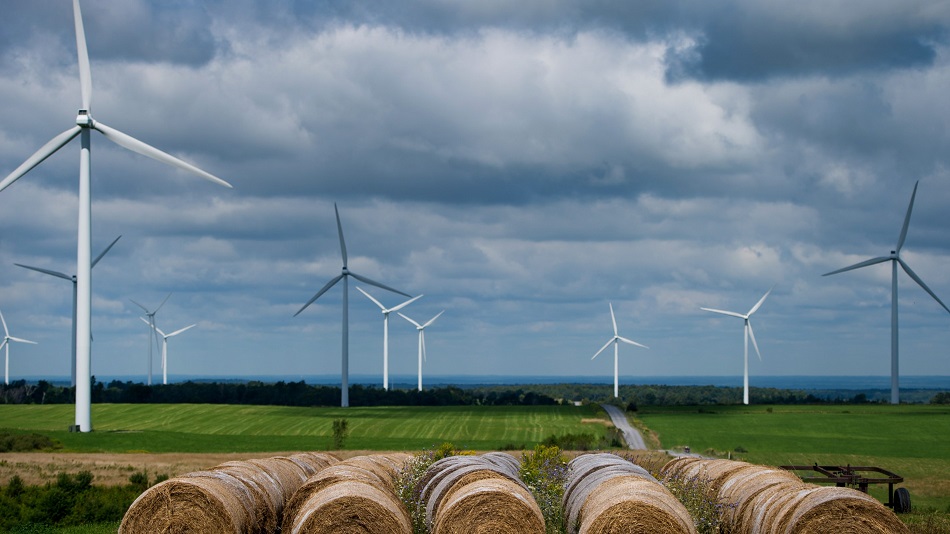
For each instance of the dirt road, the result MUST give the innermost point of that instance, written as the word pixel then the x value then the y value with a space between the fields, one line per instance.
pixel 630 435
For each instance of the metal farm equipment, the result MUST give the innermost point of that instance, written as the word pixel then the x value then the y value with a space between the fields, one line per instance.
pixel 858 477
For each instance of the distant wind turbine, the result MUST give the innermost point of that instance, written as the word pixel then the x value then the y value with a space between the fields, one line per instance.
pixel 7 338
pixel 165 346
pixel 152 332
pixel 747 334
pixel 73 280
pixel 895 258
pixel 422 339
pixel 616 341
pixel 344 275
pixel 386 311
pixel 83 128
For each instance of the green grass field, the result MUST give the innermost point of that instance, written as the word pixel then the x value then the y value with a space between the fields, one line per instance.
pixel 910 440
pixel 231 428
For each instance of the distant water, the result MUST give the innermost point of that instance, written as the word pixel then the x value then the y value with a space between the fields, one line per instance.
pixel 408 381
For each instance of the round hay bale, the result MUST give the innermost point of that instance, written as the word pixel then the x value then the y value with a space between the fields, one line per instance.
pixel 504 461
pixel 631 503
pixel 311 462
pixel 832 509
pixel 203 501
pixel 335 474
pixel 289 474
pixel 742 486
pixel 265 489
pixel 587 472
pixel 762 512
pixel 380 464
pixel 442 468
pixel 675 466
pixel 456 479
pixel 351 508
pixel 489 506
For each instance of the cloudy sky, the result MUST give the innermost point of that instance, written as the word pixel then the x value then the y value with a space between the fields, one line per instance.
pixel 520 164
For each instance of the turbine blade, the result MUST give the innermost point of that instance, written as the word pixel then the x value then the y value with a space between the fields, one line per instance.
pixel 133 144
pixel 85 73
pixel 46 271
pixel 370 297
pixel 607 344
pixel 44 152
pixel 408 319
pixel 865 263
pixel 176 332
pixel 404 304
pixel 162 304
pixel 432 320
pixel 759 303
pixel 377 284
pixel 3 344
pixel 910 272
pixel 140 306
pixel 329 284
pixel 4 321
pixel 22 340
pixel 910 207
pixel 752 337
pixel 339 229
pixel 612 318
pixel 631 342
pixel 104 252
pixel 724 312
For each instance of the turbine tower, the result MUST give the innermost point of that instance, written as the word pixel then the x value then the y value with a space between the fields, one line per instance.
pixel 344 275
pixel 165 346
pixel 152 332
pixel 895 258
pixel 616 341
pixel 73 280
pixel 7 338
pixel 386 311
pixel 83 128
pixel 422 339
pixel 748 334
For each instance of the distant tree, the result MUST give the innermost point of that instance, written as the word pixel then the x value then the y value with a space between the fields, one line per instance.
pixel 341 429
pixel 941 398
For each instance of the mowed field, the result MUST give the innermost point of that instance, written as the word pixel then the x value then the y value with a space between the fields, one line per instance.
pixel 910 440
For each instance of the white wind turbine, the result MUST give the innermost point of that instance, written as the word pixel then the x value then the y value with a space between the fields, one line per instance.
pixel 616 341
pixel 73 280
pixel 386 311
pixel 83 128
pixel 747 335
pixel 895 258
pixel 152 332
pixel 165 345
pixel 7 338
pixel 344 275
pixel 422 339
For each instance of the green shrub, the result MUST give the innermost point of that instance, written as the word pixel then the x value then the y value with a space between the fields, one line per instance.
pixel 544 470
pixel 407 483
pixel 694 493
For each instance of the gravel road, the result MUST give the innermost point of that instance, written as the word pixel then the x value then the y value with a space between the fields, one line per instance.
pixel 630 435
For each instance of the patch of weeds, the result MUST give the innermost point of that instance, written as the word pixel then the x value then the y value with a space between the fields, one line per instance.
pixel 694 492
pixel 544 470
pixel 407 483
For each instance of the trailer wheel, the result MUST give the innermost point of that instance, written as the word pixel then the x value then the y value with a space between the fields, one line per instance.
pixel 901 501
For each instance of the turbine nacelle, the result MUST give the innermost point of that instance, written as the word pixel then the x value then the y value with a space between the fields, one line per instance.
pixel 84 119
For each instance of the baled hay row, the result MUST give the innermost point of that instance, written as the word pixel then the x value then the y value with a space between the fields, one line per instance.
pixel 351 508
pixel 449 462
pixel 676 466
pixel 715 472
pixel 316 460
pixel 633 504
pixel 590 470
pixel 741 487
pixel 288 474
pixel 203 501
pixel 335 474
pixel 265 490
pixel 489 506
pixel 454 481
pixel 504 461
pixel 376 463
pixel 840 510
pixel 439 470
pixel 765 506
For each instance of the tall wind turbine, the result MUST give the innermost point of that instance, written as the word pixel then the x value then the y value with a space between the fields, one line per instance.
pixel 895 258
pixel 616 341
pixel 344 275
pixel 83 128
pixel 747 335
pixel 386 311
pixel 422 339
pixel 73 280
pixel 152 332
pixel 7 338
pixel 165 345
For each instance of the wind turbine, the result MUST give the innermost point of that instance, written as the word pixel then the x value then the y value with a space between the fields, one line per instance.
pixel 386 311
pixel 152 332
pixel 616 341
pixel 748 334
pixel 73 280
pixel 422 339
pixel 344 275
pixel 165 345
pixel 83 128
pixel 895 259
pixel 7 338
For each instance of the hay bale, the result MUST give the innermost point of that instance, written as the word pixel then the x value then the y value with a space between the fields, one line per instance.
pixel 833 509
pixel 489 506
pixel 590 470
pixel 630 503
pixel 351 507
pixel 316 460
pixel 335 474
pixel 202 501
pixel 676 466
pixel 740 489
pixel 456 479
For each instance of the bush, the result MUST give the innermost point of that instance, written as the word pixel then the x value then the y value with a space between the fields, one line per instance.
pixel 26 442
pixel 341 429
pixel 544 470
